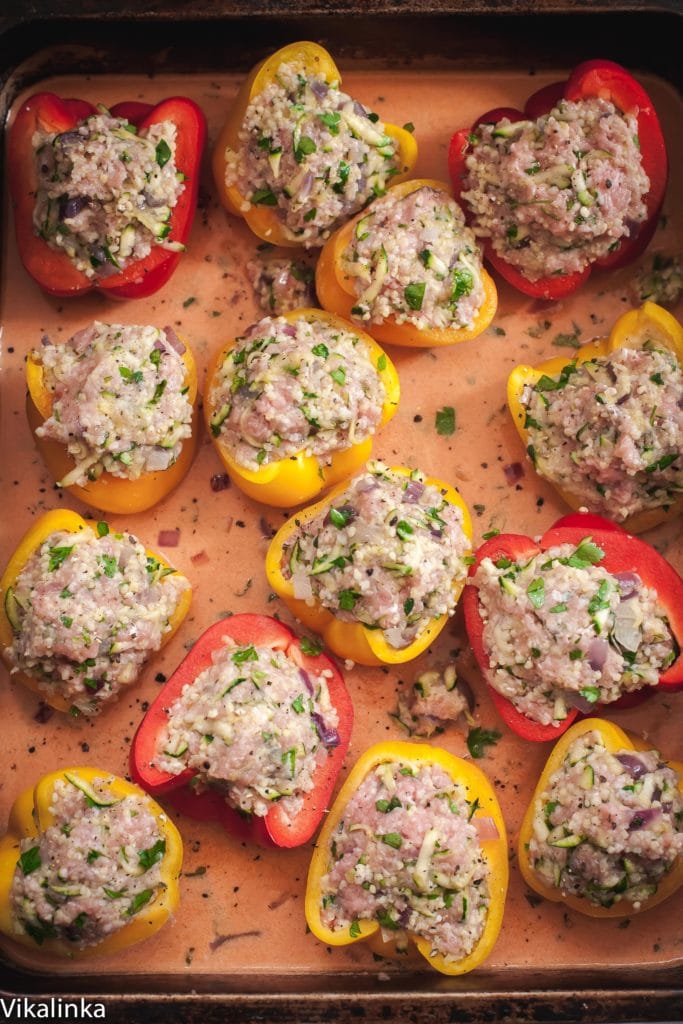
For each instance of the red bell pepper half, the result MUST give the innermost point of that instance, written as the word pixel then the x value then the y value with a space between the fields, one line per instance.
pixel 594 78
pixel 261 631
pixel 623 553
pixel 53 269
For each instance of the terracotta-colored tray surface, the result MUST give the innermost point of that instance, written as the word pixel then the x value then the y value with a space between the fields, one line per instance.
pixel 242 906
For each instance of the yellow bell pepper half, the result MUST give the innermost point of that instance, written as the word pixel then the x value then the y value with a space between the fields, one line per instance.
pixel 634 329
pixel 614 739
pixel 51 522
pixel 288 482
pixel 335 288
pixel 265 221
pixel 110 493
pixel 478 788
pixel 352 639
pixel 31 815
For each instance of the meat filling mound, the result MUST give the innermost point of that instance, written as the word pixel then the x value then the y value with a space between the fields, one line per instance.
pixel 555 194
pixel 91 871
pixel 414 260
pixel 608 826
pixel 312 153
pixel 86 613
pixel 610 431
pixel 295 387
pixel 119 400
pixel 387 554
pixel 560 630
pixel 253 725
pixel 407 855
pixel 105 192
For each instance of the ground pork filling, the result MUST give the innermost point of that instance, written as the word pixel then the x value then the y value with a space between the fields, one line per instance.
pixel 608 827
pixel 610 431
pixel 413 259
pixel 255 726
pixel 281 283
pixel 310 152
pixel 407 855
pixel 560 630
pixel 105 193
pixel 388 554
pixel 560 192
pixel 286 388
pixel 87 611
pixel 119 400
pixel 92 871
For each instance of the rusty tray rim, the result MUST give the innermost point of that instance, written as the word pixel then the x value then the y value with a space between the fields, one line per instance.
pixel 610 996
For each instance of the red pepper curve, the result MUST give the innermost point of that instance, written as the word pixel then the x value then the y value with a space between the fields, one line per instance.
pixel 244 629
pixel 623 552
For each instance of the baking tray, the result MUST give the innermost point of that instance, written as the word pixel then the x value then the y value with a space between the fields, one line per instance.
pixel 437 65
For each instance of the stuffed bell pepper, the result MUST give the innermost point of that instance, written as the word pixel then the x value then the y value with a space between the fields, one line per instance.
pixel 588 616
pixel 606 428
pixel 604 830
pixel 292 405
pixel 254 724
pixel 377 566
pixel 83 608
pixel 297 157
pixel 113 413
pixel 104 198
pixel 89 865
pixel 413 848
pixel 409 270
pixel 573 182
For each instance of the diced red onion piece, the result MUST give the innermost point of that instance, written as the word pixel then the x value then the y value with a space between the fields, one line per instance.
pixel 73 206
pixel 413 491
pixel 513 472
pixel 319 89
pixel 643 818
pixel 597 653
pixel 328 734
pixel 632 764
pixel 173 340
pixel 486 828
pixel 45 341
pixel 306 680
pixel 289 330
pixel 629 583
pixel 168 538
pixel 220 482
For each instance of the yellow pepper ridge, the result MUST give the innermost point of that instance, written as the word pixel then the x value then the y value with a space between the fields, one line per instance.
pixel 264 221
pixel 336 292
pixel 634 329
pixel 614 739
pixel 31 814
pixel 478 788
pixel 288 482
pixel 353 640
pixel 52 522
pixel 110 493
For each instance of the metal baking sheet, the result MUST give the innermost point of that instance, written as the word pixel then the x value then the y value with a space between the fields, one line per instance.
pixel 239 940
